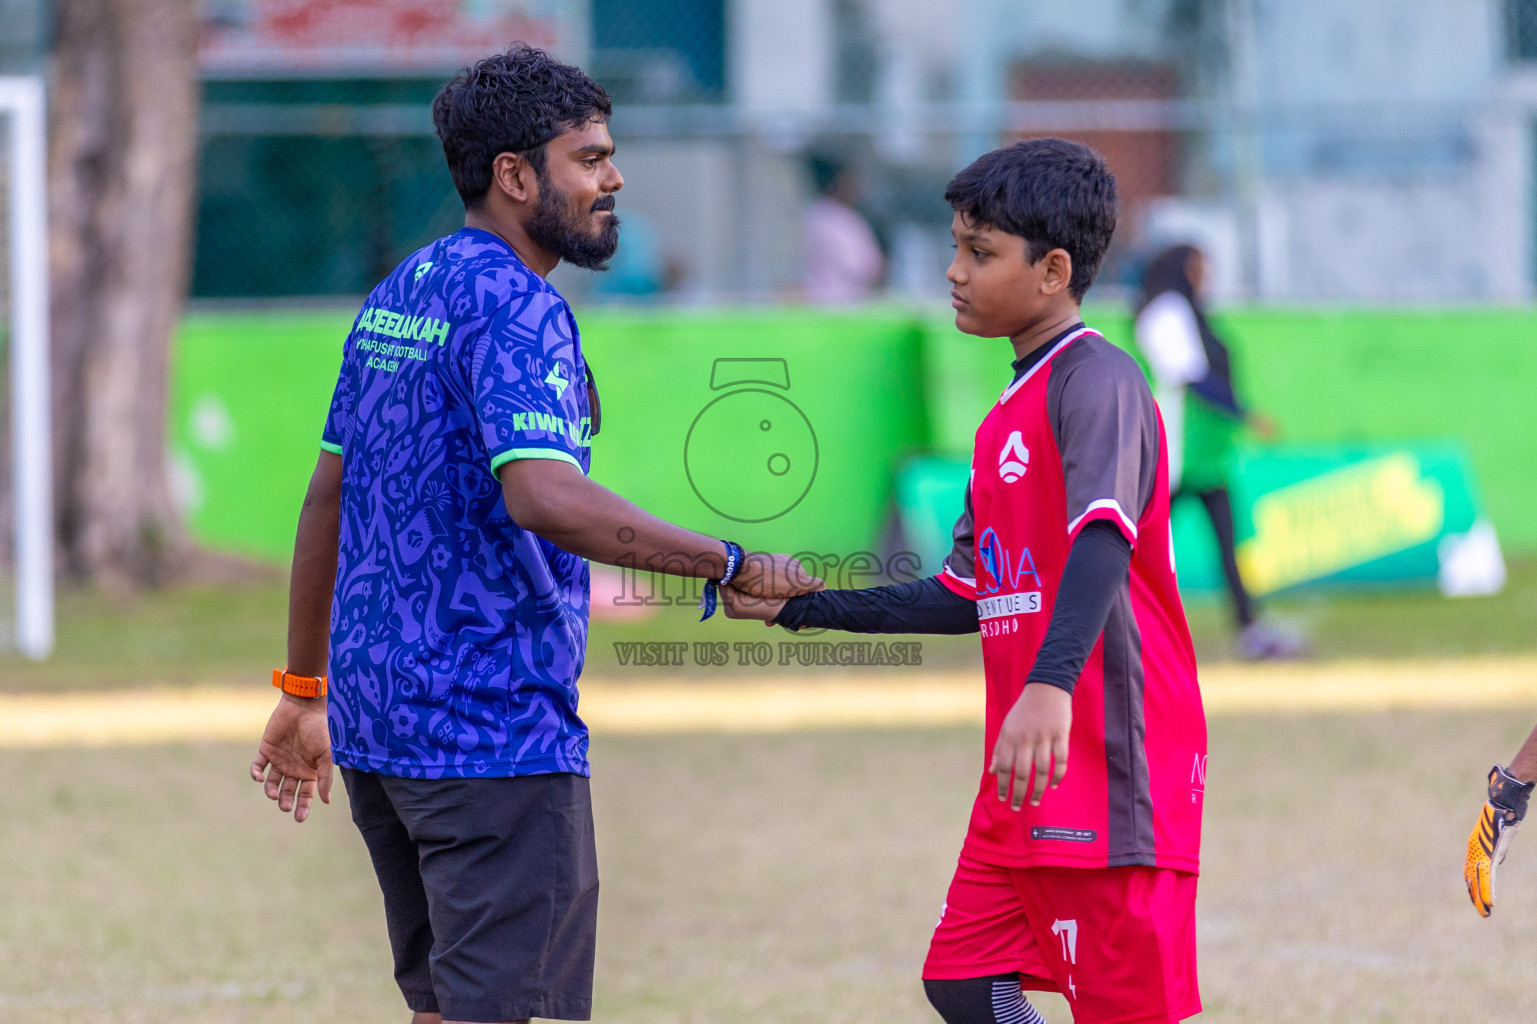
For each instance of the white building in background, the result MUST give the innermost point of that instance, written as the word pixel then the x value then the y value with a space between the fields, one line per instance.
pixel 1395 156
pixel 1369 151
pixel 1392 149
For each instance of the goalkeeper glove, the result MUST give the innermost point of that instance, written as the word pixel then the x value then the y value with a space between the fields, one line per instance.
pixel 1491 837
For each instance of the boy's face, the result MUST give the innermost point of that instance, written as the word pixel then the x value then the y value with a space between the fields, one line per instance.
pixel 995 289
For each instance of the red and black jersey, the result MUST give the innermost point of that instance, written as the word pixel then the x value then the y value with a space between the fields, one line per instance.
pixel 1075 439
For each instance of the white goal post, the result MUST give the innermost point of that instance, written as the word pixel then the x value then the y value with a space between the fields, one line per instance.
pixel 22 109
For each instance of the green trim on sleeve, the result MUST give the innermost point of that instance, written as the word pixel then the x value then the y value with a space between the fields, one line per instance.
pixel 327 446
pixel 533 453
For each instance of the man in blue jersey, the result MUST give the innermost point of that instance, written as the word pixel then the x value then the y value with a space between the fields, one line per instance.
pixel 440 571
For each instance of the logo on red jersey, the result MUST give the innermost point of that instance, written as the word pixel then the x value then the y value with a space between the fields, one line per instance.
pixel 1003 568
pixel 1064 835
pixel 1014 459
pixel 1025 603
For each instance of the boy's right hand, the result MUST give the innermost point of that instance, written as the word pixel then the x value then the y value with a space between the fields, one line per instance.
pixel 1032 744
pixel 741 605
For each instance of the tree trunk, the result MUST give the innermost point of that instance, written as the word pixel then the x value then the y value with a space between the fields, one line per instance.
pixel 121 165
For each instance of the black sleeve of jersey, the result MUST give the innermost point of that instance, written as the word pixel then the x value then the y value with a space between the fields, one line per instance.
pixel 920 606
pixel 1096 567
pixel 962 561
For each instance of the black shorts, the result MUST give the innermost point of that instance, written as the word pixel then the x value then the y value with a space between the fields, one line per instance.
pixel 490 891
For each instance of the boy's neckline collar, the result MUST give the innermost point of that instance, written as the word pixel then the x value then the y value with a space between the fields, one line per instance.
pixel 1023 364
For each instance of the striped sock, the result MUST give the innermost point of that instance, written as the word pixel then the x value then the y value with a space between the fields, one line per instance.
pixel 1011 1007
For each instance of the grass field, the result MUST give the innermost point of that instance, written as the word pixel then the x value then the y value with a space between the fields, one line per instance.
pixel 790 876
pixel 770 878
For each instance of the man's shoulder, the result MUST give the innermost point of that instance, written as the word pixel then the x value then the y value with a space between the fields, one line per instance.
pixel 489 278
pixel 472 274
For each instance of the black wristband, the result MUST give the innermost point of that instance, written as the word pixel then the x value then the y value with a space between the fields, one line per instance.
pixel 735 557
pixel 1509 793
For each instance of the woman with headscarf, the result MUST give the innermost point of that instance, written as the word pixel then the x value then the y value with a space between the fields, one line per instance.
pixel 1193 382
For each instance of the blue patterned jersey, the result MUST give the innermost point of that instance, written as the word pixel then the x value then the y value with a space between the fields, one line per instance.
pixel 456 636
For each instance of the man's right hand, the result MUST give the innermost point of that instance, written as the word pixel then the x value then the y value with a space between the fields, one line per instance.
pixel 294 757
pixel 774 576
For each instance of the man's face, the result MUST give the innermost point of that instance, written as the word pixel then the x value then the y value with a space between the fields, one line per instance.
pixel 574 215
pixel 995 289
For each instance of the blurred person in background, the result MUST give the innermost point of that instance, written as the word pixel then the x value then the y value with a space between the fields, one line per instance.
pixel 642 271
pixel 842 262
pixel 1193 382
pixel 1510 789
pixel 440 574
pixel 635 274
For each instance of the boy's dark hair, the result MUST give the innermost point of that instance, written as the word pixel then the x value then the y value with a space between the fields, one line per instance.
pixel 1053 193
pixel 513 102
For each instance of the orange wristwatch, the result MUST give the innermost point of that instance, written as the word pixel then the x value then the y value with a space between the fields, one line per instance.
pixel 299 686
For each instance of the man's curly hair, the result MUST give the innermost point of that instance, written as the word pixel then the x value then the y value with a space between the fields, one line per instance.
pixel 513 102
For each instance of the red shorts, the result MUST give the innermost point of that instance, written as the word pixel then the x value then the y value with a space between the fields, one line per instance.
pixel 1119 943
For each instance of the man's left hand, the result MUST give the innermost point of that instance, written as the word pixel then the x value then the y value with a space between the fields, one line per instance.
pixel 294 757
pixel 1032 744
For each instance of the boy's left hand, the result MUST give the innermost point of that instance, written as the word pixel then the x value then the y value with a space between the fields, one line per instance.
pixel 1032 744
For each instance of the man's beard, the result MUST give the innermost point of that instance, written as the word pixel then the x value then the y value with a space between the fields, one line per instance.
pixel 557 227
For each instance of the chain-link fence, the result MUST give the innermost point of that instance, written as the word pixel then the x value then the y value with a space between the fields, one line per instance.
pixel 316 187
pixel 1394 166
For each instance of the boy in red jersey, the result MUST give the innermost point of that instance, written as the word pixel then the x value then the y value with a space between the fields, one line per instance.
pixel 1082 881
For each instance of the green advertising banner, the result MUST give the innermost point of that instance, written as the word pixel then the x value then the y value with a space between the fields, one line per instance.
pixel 1366 515
pixel 782 429
pixel 778 428
pixel 1378 514
pixel 850 395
